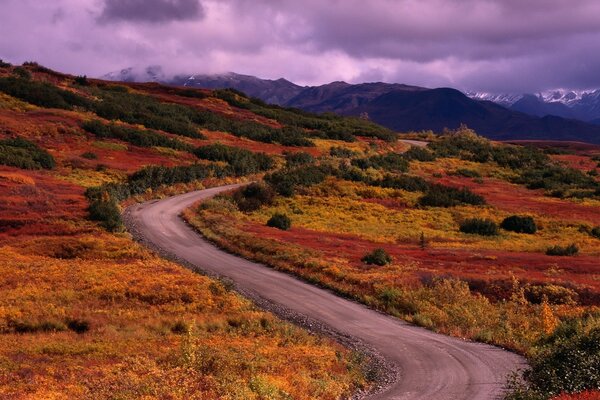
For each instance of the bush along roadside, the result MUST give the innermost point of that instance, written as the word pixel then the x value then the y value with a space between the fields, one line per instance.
pixel 104 199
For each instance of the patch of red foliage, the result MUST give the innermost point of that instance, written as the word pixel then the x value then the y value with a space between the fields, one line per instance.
pixel 579 162
pixel 518 199
pixel 475 265
pixel 30 199
pixel 587 395
pixel 60 133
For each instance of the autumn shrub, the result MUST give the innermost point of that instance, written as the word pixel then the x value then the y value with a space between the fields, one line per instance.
pixel 25 327
pixel 419 154
pixel 467 173
pixel 568 363
pixel 81 80
pixel 280 221
pixel 79 326
pixel 286 181
pixel 242 161
pixel 558 250
pixel 140 109
pixel 254 196
pixel 89 155
pixel 446 196
pixel 24 154
pixel 137 137
pixel 341 152
pixel 22 73
pixel 296 159
pixel 553 294
pixel 478 226
pixel 392 162
pixel 107 213
pixel 410 183
pixel 519 224
pixel 41 94
pixel 377 257
pixel 559 181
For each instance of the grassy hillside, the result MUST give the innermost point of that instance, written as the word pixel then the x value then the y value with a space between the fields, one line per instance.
pixel 88 313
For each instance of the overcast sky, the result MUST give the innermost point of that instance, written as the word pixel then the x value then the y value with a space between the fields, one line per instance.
pixel 490 45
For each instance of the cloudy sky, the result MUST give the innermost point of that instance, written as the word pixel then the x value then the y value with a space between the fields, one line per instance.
pixel 491 45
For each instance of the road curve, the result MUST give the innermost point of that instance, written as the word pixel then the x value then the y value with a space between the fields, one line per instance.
pixel 431 366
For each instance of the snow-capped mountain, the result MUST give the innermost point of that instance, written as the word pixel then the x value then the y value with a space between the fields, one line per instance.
pixel 567 103
pixel 153 73
pixel 504 99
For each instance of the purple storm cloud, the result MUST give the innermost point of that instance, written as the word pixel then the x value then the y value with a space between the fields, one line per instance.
pixel 491 45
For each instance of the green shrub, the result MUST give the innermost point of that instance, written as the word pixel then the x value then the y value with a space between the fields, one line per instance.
pixel 570 363
pixel 410 183
pixel 467 173
pixel 478 226
pixel 254 196
pixel 280 221
pixel 82 80
pixel 24 154
pixel 419 154
pixel 595 232
pixel 557 250
pixel 107 213
pixel 392 162
pixel 446 196
pixel 377 257
pixel 4 64
pixel 341 152
pixel 243 162
pixel 41 94
pixel 286 181
pixel 518 224
pixel 297 159
pixel 22 73
pixel 79 326
pixel 137 137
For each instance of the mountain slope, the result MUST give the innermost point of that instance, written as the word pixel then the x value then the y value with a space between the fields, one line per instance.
pixel 409 108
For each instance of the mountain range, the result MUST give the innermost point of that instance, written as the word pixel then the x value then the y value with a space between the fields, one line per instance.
pixel 556 115
pixel 579 104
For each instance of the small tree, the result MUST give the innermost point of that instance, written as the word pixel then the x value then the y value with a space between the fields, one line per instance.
pixel 422 241
pixel 519 224
pixel 378 257
pixel 82 80
pixel 280 221
pixel 477 226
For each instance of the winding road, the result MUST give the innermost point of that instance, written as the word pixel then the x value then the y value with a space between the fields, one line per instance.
pixel 430 366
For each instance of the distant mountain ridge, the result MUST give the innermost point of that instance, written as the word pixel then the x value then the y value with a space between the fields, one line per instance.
pixel 412 108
